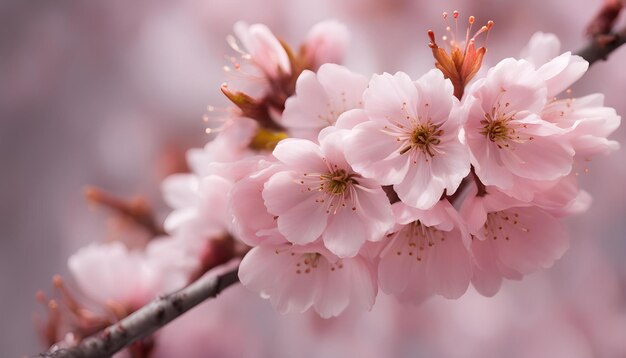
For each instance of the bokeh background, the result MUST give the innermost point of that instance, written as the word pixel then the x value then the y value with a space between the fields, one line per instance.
pixel 111 93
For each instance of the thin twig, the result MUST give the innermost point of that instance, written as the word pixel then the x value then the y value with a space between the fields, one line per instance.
pixel 147 319
pixel 136 210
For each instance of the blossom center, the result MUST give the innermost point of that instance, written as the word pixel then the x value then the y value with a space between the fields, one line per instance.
pixel 418 238
pixel 310 261
pixel 501 224
pixel 497 125
pixel 426 136
pixel 496 130
pixel 336 182
pixel 338 188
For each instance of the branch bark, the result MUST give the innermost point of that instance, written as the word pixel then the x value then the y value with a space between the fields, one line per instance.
pixel 601 46
pixel 147 319
pixel 604 39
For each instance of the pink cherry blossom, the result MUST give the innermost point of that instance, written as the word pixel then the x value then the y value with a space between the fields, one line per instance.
pixel 321 98
pixel 510 144
pixel 349 119
pixel 511 238
pixel 587 123
pixel 326 42
pixel 320 195
pixel 412 138
pixel 231 144
pixel 562 197
pixel 559 71
pixel 111 273
pixel 295 278
pixel 252 222
pixel 428 254
pixel 262 48
pixel 541 48
pixel 195 196
pixel 194 200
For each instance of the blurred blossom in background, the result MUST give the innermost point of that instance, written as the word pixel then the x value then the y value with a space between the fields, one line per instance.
pixel 113 93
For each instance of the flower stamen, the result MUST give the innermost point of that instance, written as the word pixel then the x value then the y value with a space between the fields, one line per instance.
pixel 337 182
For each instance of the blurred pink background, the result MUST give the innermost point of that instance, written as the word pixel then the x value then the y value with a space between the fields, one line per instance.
pixel 111 93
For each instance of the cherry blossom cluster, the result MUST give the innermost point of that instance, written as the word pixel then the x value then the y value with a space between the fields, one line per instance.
pixel 345 185
pixel 334 186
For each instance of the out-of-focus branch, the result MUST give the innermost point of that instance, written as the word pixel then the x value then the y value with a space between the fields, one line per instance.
pixel 136 210
pixel 604 39
pixel 603 22
pixel 600 47
pixel 147 319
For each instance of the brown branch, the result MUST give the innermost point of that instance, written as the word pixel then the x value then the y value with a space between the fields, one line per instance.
pixel 604 20
pixel 604 39
pixel 147 319
pixel 601 46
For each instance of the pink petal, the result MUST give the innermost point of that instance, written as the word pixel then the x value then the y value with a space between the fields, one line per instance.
pixel 562 72
pixel 487 283
pixel 178 218
pixel 180 190
pixel 524 89
pixel 345 233
pixel 536 240
pixel 300 218
pixel 327 42
pixel 375 154
pixel 473 212
pixel 248 209
pixel 449 267
pixel 363 284
pixel 452 165
pixel 395 270
pixel 351 118
pixel 419 188
pixel 271 270
pixel 333 294
pixel 264 48
pixel 436 91
pixel 417 291
pixel 541 48
pixel 301 155
pixel 391 96
pixel 374 208
pixel 309 107
pixel 344 88
pixel 542 158
pixel 303 223
pixel 332 142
